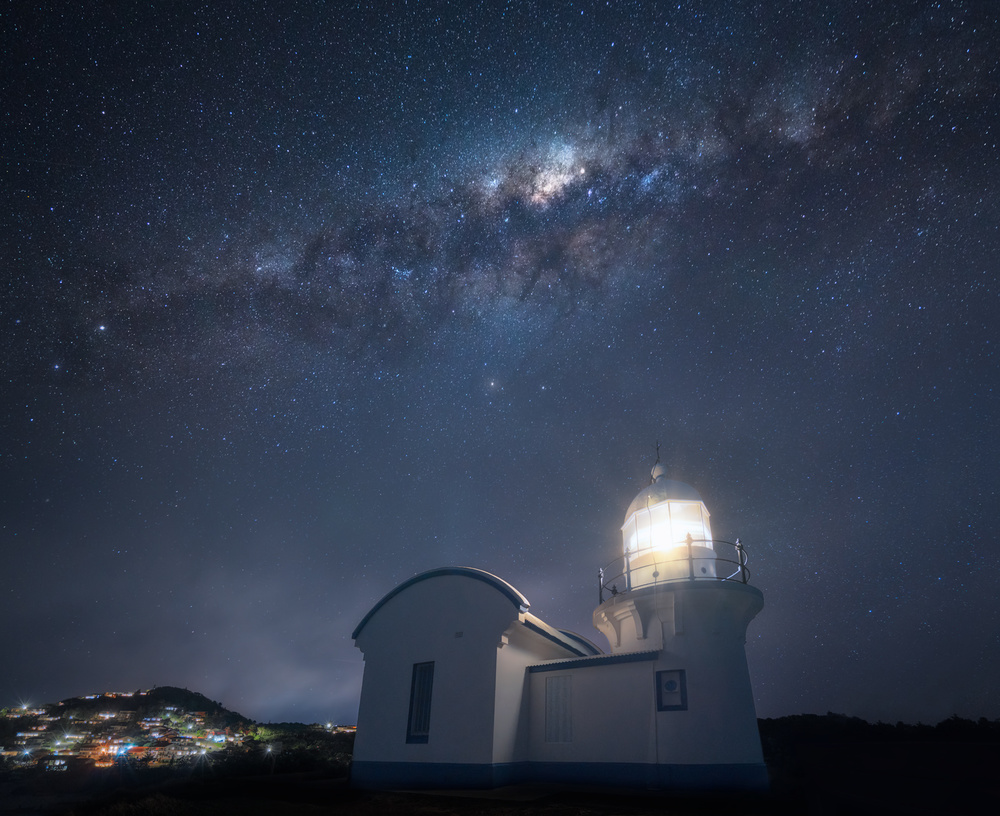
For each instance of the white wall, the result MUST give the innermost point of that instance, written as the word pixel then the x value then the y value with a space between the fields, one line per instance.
pixel 421 624
pixel 473 634
pixel 702 629
pixel 524 648
pixel 612 715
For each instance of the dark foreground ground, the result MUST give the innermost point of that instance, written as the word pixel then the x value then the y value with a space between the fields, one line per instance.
pixel 818 765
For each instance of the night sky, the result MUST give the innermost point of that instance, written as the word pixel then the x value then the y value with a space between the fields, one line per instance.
pixel 302 299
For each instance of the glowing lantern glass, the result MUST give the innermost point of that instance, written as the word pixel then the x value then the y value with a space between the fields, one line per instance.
pixel 667 539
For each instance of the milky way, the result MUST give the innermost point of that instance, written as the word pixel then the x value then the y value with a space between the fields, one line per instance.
pixel 597 179
pixel 301 302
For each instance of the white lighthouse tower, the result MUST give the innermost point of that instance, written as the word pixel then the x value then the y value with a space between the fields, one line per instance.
pixel 683 595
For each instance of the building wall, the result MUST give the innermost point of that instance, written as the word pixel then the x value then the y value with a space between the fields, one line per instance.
pixel 706 636
pixel 612 716
pixel 720 723
pixel 509 737
pixel 457 623
pixel 700 628
pixel 620 737
pixel 510 731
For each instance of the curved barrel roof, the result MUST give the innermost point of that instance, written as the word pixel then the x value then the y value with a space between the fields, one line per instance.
pixel 505 589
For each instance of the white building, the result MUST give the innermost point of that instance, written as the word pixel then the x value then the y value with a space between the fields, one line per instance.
pixel 464 687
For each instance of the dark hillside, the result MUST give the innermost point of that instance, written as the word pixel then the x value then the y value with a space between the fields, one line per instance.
pixel 844 764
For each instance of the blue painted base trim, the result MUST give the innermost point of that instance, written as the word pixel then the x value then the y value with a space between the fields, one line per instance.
pixel 416 775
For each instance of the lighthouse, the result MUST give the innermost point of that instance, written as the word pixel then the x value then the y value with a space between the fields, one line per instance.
pixel 465 687
pixel 686 597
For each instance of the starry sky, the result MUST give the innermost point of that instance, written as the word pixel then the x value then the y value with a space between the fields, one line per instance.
pixel 300 299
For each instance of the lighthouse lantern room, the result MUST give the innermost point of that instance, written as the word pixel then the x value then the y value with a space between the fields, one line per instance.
pixel 667 534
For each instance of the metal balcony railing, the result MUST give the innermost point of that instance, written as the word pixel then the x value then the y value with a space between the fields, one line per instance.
pixel 686 562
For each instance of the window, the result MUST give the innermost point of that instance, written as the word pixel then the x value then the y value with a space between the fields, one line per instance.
pixel 671 690
pixel 418 726
pixel 559 708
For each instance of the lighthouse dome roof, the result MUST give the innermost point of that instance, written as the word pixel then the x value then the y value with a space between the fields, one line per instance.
pixel 662 489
